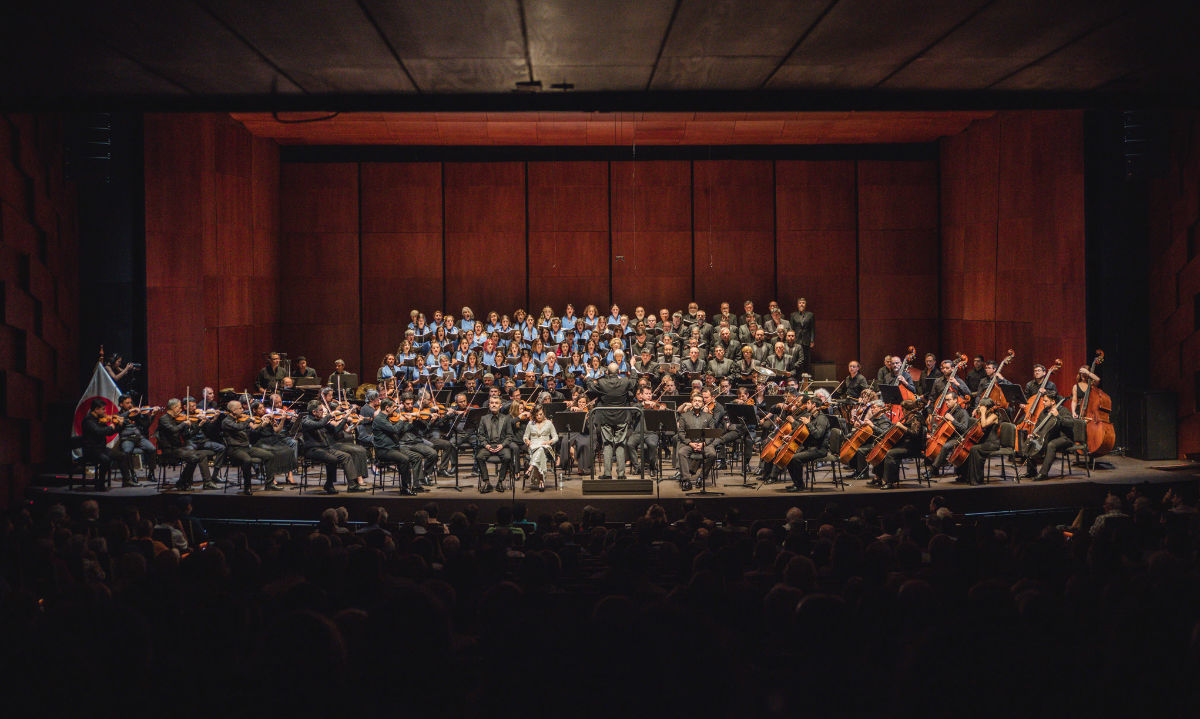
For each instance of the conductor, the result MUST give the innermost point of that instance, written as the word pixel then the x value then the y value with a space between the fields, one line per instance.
pixel 614 391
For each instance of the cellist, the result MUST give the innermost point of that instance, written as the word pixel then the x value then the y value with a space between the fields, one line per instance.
pixel 1056 432
pixel 972 469
pixel 956 416
pixel 813 446
pixel 875 415
pixel 887 472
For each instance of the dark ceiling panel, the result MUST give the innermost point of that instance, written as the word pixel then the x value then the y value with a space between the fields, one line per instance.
pixel 618 32
pixel 860 42
pixel 589 78
pixel 450 28
pixel 1004 37
pixel 184 43
pixel 712 73
pixel 473 75
pixel 324 46
pixel 768 28
pixel 1158 36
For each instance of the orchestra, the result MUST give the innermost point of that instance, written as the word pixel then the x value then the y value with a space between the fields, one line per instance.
pixel 492 386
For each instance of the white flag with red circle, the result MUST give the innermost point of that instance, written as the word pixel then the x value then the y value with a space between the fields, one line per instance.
pixel 102 387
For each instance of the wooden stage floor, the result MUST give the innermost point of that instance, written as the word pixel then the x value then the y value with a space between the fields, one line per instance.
pixel 762 501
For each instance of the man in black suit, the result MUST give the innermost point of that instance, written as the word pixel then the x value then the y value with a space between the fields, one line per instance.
pixel 94 435
pixel 614 391
pixel 496 436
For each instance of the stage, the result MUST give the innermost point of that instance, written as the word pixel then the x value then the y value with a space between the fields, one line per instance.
pixel 1058 494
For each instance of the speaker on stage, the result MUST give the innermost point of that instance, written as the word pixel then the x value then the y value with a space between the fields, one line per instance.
pixel 1150 426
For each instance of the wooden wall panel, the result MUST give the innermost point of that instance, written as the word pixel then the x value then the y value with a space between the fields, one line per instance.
pixel 39 301
pixel 733 215
pixel 651 233
pixel 816 247
pixel 485 235
pixel 401 262
pixel 897 251
pixel 1011 207
pixel 568 234
pixel 319 242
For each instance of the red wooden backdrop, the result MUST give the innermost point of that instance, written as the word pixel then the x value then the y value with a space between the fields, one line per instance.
pixel 888 253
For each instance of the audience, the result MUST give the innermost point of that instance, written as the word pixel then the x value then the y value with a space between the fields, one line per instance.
pixel 847 613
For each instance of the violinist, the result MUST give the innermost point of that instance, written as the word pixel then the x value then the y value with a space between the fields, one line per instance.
pixel 952 412
pixel 388 429
pixel 412 441
pixel 207 431
pixel 1032 386
pixel 972 470
pixel 1056 432
pixel 912 444
pixel 577 448
pixel 854 384
pixel 496 436
pixel 643 445
pixel 1082 379
pixel 432 432
pixel 694 455
pixel 98 425
pixel 266 433
pixel 174 439
pixel 319 445
pixel 362 430
pixel 235 427
pixel 270 377
pixel 134 435
pixel 813 447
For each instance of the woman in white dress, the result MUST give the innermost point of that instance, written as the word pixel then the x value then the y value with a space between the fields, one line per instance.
pixel 540 437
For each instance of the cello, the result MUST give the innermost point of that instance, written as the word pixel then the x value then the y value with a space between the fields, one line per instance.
pixel 993 390
pixel 890 438
pixel 895 414
pixel 1033 407
pixel 777 440
pixel 968 441
pixel 941 431
pixel 1097 408
pixel 860 437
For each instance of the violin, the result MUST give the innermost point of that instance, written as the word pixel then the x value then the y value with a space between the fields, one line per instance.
pixel 135 411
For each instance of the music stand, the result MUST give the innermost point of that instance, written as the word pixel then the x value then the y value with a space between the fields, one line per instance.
pixel 662 422
pixel 890 394
pixel 747 415
pixel 1014 394
pixel 553 408
pixel 704 435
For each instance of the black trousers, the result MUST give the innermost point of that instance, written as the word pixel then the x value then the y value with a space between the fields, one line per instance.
pixel 243 458
pixel 481 457
pixel 795 468
pixel 408 463
pixel 360 459
pixel 692 462
pixel 105 458
pixel 428 454
pixel 889 469
pixel 191 459
pixel 1049 452
pixel 332 458
pixel 445 451
pixel 976 462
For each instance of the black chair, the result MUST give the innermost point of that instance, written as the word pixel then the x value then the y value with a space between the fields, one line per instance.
pixel 1076 451
pixel 1008 449
pixel 553 462
pixel 256 469
pixel 81 464
pixel 835 471
pixel 305 464
pixel 165 463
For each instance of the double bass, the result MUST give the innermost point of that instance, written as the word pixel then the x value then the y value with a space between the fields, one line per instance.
pixel 1096 410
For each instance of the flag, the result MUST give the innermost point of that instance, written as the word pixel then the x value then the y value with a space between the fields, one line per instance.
pixel 102 387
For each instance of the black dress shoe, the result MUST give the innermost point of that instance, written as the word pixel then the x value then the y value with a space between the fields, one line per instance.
pixel 1041 477
pixel 485 489
pixel 445 473
pixel 246 492
pixel 407 492
pixel 272 487
pixel 330 490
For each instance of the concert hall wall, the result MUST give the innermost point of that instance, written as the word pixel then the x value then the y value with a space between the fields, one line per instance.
pixel 1012 241
pixel 213 256
pixel 922 247
pixel 1174 249
pixel 39 301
